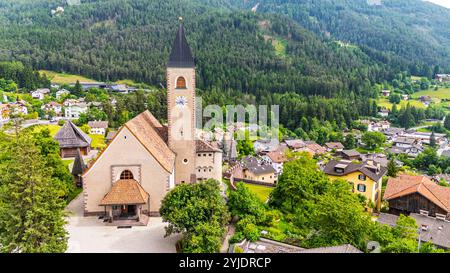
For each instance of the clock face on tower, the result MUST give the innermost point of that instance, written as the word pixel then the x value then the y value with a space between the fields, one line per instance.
pixel 181 101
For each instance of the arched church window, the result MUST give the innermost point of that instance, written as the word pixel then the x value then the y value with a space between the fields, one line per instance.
pixel 181 83
pixel 126 175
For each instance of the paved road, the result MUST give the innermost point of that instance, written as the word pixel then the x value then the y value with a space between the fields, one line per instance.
pixel 90 235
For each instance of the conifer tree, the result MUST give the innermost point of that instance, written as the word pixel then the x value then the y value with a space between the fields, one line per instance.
pixel 433 140
pixel 31 210
pixel 392 168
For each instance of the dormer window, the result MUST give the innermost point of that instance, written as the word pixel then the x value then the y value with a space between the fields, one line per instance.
pixel 181 83
pixel 340 168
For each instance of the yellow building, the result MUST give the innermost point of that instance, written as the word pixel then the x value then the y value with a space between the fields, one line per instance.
pixel 366 177
pixel 260 173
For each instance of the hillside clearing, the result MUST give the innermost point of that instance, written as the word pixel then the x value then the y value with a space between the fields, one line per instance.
pixel 383 102
pixel 63 78
pixel 441 93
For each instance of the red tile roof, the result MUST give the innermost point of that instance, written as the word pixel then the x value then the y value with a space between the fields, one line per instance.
pixel 147 129
pixel 407 184
pixel 277 157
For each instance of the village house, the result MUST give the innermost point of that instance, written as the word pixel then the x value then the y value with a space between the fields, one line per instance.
pixel 386 93
pixel 263 146
pixel 53 106
pixel 311 147
pixel 276 159
pixel 410 194
pixel 145 159
pixel 443 77
pixel 260 173
pixel 39 94
pixel 19 107
pixel 252 169
pixel 424 137
pixel 209 157
pixel 70 139
pixel 350 155
pixel 334 146
pixel 405 97
pixel 294 144
pixel 378 126
pixel 61 93
pixel 365 178
pixel 405 142
pixel 70 102
pixel 411 152
pixel 383 113
pixel 74 110
pixel 98 127
pixel 393 132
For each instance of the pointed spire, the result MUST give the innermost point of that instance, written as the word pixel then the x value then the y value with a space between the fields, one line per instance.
pixel 78 165
pixel 181 55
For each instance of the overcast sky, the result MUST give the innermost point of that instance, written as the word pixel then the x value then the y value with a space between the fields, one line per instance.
pixel 445 3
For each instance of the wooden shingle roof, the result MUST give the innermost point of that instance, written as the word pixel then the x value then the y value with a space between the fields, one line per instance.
pixel 70 136
pixel 125 192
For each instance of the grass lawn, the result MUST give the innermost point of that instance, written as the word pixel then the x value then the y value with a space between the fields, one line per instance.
pixel 127 82
pixel 52 127
pixel 261 191
pixel 416 78
pixel 63 78
pixel 67 162
pixel 98 141
pixel 280 47
pixel 442 93
pixel 384 102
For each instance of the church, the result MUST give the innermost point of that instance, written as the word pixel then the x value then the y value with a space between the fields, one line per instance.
pixel 146 159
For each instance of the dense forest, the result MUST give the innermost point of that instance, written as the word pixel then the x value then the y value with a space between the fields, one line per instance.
pixel 301 55
pixel 110 40
pixel 402 33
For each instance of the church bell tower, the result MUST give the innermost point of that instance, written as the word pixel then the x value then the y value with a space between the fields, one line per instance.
pixel 181 108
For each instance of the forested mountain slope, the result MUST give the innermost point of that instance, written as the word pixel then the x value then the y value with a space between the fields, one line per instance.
pixel 411 34
pixel 239 51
